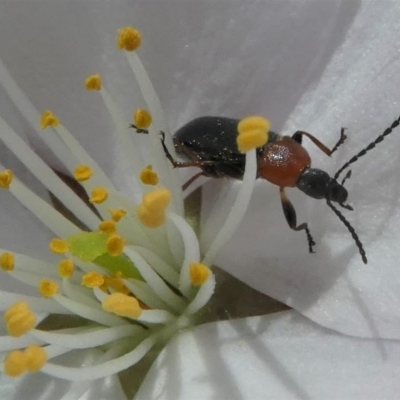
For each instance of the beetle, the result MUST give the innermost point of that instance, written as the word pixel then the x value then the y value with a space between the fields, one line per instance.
pixel 210 144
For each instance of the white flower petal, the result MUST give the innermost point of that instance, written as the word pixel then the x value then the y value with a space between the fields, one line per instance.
pixel 281 356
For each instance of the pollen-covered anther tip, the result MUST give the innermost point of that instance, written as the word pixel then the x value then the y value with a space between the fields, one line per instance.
pixel 98 195
pixel 148 176
pixel 58 246
pixel 92 279
pixel 19 319
pixel 108 226
pixel 199 273
pixel 36 357
pixel 93 82
pixel 129 38
pixel 31 359
pixel 48 288
pixel 66 268
pixel 115 245
pixel 82 173
pixel 6 177
pixel 122 305
pixel 151 212
pixel 7 261
pixel 48 118
pixel 253 133
pixel 14 363
pixel 142 118
pixel 117 214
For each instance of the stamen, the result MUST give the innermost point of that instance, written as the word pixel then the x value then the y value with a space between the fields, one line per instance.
pixel 48 119
pixel 19 319
pixel 129 38
pixel 7 261
pixel 82 173
pixel 6 178
pixel 122 305
pixel 36 357
pixel 58 246
pixel 115 245
pixel 148 176
pixel 99 195
pixel 253 132
pixel 152 210
pixel 199 273
pixel 92 279
pixel 48 288
pixel 93 82
pixel 142 118
pixel 14 363
pixel 66 268
pixel 108 226
pixel 117 214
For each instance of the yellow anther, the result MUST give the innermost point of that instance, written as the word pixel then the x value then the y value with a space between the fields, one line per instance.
pixel 7 261
pixel 122 305
pixel 66 268
pixel 142 118
pixel 82 173
pixel 152 210
pixel 48 119
pixel 117 214
pixel 58 246
pixel 99 195
pixel 93 82
pixel 35 358
pixel 115 282
pixel 128 38
pixel 115 245
pixel 199 273
pixel 19 319
pixel 14 363
pixel 92 279
pixel 148 176
pixel 48 288
pixel 253 132
pixel 6 178
pixel 108 226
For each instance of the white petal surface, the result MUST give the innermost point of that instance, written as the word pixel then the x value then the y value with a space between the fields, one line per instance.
pixel 358 90
pixel 282 356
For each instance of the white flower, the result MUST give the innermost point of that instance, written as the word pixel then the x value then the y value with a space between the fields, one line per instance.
pixel 280 356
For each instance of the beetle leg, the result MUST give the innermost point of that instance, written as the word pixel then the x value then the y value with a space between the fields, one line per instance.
pixel 290 215
pixel 138 130
pixel 183 164
pixel 298 136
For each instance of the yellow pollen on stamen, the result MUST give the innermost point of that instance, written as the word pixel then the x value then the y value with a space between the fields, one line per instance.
pixel 58 246
pixel 35 358
pixel 93 82
pixel 7 261
pixel 122 305
pixel 82 173
pixel 108 226
pixel 128 39
pixel 142 118
pixel 152 210
pixel 66 268
pixel 253 133
pixel 92 279
pixel 115 245
pixel 99 195
pixel 47 288
pixel 14 363
pixel 199 273
pixel 6 177
pixel 148 176
pixel 48 119
pixel 117 214
pixel 115 282
pixel 19 319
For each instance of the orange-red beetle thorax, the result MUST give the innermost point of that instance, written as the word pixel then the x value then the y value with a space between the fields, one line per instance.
pixel 283 161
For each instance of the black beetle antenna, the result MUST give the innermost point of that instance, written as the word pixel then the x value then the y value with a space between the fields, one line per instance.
pixel 379 139
pixel 351 230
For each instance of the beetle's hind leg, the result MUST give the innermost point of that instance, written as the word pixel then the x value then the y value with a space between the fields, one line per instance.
pixel 298 136
pixel 290 215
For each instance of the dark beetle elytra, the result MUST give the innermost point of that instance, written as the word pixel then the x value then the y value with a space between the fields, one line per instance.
pixel 210 144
